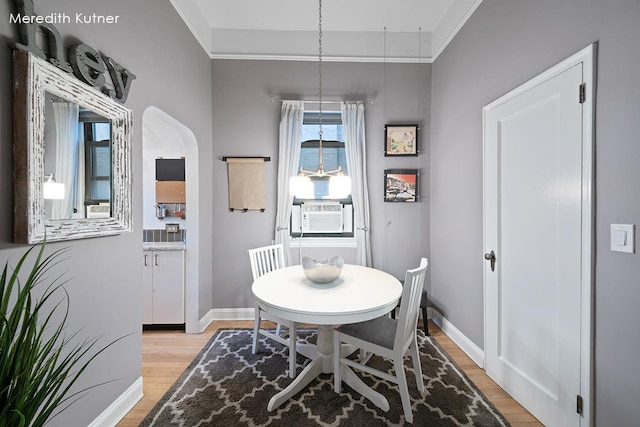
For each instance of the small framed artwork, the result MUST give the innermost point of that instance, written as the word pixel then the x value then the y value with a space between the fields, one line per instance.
pixel 401 140
pixel 401 185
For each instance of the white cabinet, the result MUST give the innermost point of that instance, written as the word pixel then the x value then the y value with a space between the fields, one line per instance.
pixel 163 287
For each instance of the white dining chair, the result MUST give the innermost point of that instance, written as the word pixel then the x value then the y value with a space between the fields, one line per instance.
pixel 264 260
pixel 389 338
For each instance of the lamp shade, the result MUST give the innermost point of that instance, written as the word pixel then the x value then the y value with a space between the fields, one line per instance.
pixel 339 187
pixel 301 187
pixel 53 190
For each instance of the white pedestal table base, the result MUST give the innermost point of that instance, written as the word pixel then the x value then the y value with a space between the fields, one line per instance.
pixel 322 363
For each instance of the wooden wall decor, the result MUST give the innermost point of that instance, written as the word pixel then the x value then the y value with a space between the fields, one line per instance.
pixel 247 184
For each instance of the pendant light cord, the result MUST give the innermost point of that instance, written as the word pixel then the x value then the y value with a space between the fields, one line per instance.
pixel 320 165
pixel 419 73
pixel 384 77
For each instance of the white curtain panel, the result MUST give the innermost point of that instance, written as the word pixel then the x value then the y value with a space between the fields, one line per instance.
pixel 288 159
pixel 66 121
pixel 355 148
pixel 79 180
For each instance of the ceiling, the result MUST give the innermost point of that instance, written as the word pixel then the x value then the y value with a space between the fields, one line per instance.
pixel 352 30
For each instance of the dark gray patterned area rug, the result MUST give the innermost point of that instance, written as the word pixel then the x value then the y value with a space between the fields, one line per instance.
pixel 227 385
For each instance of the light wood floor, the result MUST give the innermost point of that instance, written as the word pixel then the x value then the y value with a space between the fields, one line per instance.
pixel 166 354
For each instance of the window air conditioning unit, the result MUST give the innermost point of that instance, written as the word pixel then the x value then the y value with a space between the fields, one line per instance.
pixel 102 210
pixel 321 217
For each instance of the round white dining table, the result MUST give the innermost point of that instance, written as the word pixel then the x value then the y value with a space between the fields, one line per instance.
pixel 359 294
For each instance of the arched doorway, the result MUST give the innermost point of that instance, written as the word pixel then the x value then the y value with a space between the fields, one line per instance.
pixel 164 136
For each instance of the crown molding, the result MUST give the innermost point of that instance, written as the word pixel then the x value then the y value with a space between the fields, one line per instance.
pixel 308 58
pixel 375 47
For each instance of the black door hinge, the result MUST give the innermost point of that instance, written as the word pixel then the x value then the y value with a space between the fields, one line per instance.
pixel 583 93
pixel 579 404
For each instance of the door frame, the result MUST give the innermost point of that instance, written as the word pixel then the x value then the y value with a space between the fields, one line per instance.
pixel 587 57
pixel 193 255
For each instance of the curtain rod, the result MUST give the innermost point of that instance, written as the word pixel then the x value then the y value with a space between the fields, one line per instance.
pixel 265 158
pixel 324 101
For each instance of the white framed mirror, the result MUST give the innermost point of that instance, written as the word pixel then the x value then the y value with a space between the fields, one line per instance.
pixel 70 138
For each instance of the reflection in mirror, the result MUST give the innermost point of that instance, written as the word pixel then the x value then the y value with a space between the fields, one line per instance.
pixel 77 159
pixel 72 138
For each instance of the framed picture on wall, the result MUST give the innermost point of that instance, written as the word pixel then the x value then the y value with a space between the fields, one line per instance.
pixel 401 185
pixel 401 140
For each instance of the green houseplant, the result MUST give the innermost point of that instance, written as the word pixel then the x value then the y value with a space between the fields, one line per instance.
pixel 39 362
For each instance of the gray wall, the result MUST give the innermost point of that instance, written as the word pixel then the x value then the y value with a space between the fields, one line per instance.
pixel 245 123
pixel 504 44
pixel 174 74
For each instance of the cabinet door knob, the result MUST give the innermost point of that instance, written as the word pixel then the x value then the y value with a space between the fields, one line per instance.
pixel 145 260
pixel 156 259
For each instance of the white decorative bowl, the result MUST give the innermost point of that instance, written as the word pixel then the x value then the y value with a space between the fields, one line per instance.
pixel 323 271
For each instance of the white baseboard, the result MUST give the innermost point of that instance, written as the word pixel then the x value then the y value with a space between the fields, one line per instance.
pixel 225 314
pixel 205 321
pixel 232 314
pixel 473 351
pixel 120 407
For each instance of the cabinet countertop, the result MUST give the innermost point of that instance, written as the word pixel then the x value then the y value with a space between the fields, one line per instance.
pixel 164 246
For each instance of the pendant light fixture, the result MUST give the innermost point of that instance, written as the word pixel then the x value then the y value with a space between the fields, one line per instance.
pixel 53 190
pixel 339 184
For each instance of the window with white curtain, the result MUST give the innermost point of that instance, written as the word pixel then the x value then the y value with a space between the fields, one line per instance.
pixel 334 156
pixel 333 148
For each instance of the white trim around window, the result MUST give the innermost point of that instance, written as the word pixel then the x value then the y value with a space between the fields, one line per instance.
pixel 322 242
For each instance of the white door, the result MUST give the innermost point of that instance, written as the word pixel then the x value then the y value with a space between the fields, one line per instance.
pixel 537 221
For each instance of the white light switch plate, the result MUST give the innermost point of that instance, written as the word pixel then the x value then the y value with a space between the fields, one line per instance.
pixel 623 238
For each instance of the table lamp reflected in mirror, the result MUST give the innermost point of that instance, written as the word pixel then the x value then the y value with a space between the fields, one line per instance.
pixel 53 190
